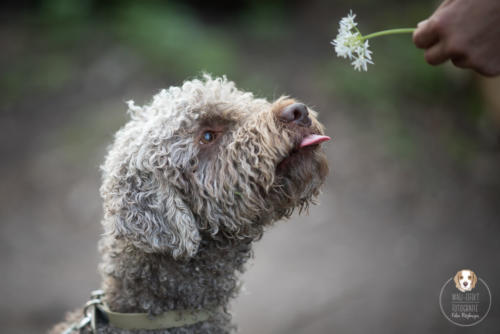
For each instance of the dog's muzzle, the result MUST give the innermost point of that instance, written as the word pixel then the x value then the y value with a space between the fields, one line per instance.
pixel 298 114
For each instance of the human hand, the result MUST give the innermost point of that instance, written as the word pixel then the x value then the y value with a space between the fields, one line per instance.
pixel 465 31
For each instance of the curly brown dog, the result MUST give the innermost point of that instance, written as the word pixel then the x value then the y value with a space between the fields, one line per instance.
pixel 189 183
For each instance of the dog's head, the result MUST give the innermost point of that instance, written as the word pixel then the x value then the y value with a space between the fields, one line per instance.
pixel 207 158
pixel 465 280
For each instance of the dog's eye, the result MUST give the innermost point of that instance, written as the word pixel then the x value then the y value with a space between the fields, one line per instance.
pixel 469 277
pixel 208 137
pixel 461 277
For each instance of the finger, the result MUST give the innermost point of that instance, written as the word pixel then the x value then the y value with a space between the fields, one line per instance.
pixel 436 54
pixel 427 32
pixel 471 61
pixel 487 72
pixel 425 35
pixel 484 69
pixel 461 61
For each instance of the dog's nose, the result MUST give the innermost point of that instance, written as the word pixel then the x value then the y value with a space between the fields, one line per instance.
pixel 296 113
pixel 465 283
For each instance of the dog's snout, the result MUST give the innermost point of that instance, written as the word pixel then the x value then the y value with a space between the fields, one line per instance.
pixel 296 113
pixel 465 283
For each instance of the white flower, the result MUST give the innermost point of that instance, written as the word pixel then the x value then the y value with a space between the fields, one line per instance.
pixel 349 43
pixel 347 23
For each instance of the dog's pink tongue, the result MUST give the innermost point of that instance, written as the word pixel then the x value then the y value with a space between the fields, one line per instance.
pixel 313 139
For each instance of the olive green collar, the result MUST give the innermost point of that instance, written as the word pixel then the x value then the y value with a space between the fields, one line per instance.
pixel 96 313
pixel 170 319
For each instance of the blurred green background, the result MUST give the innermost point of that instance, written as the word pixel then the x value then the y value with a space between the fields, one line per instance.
pixel 413 194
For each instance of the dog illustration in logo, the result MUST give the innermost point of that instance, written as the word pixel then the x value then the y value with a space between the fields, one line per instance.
pixel 465 280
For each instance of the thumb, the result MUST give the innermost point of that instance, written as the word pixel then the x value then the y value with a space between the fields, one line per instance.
pixel 424 36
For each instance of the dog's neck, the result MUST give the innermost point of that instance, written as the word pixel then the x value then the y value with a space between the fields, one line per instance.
pixel 134 281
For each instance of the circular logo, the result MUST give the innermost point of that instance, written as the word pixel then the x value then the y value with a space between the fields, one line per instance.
pixel 465 299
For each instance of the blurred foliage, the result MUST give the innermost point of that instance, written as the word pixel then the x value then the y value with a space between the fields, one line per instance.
pixel 168 36
pixel 172 37
pixel 267 20
pixel 65 9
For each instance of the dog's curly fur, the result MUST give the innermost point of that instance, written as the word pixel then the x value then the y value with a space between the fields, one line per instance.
pixel 180 214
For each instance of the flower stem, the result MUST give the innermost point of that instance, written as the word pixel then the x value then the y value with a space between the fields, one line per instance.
pixel 389 32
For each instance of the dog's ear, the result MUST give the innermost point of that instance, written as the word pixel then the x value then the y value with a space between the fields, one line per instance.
pixel 153 217
pixel 474 279
pixel 457 283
